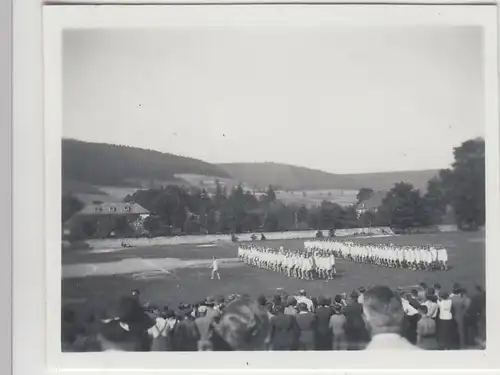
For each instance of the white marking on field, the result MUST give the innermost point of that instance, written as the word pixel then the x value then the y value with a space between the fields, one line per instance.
pixel 207 245
pixel 100 251
pixel 140 267
pixel 156 267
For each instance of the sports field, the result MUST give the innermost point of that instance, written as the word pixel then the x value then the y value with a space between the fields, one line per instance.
pixel 169 275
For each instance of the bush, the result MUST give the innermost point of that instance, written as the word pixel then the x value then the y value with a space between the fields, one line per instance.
pixel 319 234
pixel 331 233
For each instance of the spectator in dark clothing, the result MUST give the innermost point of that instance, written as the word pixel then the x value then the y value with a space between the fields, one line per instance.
pixel 306 321
pixel 244 325
pixel 277 300
pixel 284 330
pixel 72 332
pixel 261 300
pixel 411 318
pixel 185 335
pixel 323 333
pixel 337 327
pixel 355 328
pixel 132 314
pixel 459 307
pixel 476 313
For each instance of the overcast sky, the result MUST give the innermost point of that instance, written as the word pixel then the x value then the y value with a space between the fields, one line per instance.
pixel 339 100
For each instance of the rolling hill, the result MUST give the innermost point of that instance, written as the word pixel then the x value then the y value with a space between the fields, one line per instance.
pixel 88 167
pixel 289 177
pixel 101 164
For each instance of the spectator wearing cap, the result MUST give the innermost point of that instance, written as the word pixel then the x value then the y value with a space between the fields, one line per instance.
pixel 355 327
pixel 284 330
pixel 336 326
pixel 291 304
pixel 323 333
pixel 384 314
pixel 244 325
pixel 426 330
pixel 302 298
pixel 306 320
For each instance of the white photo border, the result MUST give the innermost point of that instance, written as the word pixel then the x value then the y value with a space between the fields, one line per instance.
pixel 37 184
pixel 6 185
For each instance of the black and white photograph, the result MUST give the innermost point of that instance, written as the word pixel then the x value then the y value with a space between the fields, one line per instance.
pixel 273 188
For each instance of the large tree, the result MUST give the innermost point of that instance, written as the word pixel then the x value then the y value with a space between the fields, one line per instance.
pixel 403 207
pixel 464 184
pixel 364 194
pixel 435 201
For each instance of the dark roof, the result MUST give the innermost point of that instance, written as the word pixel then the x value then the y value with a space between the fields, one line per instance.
pixel 113 208
pixel 372 203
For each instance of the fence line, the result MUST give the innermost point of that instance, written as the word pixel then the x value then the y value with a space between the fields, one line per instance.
pixel 111 243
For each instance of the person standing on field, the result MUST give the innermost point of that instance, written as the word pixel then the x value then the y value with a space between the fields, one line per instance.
pixel 215 268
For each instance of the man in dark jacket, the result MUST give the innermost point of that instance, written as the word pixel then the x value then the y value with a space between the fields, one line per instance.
pixel 306 321
pixel 284 330
pixel 132 314
pixel 355 327
pixel 323 333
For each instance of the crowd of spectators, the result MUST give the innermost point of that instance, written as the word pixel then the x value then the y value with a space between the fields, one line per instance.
pixel 378 318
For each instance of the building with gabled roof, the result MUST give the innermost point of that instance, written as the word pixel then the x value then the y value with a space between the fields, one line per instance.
pixel 106 219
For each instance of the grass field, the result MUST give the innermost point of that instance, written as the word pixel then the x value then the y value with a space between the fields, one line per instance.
pixel 169 275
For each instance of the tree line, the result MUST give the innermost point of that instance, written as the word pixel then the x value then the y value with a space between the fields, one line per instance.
pixel 460 189
pixel 177 209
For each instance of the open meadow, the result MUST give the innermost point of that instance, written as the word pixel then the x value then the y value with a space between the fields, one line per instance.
pixel 169 275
